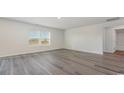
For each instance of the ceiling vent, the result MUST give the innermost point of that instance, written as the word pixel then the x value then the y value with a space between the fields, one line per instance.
pixel 113 19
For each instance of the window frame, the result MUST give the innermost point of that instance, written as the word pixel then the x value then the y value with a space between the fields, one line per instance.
pixel 40 44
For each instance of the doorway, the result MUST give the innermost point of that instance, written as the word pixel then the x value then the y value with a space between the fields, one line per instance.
pixel 119 42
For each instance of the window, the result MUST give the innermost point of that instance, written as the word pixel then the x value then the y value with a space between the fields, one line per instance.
pixel 39 38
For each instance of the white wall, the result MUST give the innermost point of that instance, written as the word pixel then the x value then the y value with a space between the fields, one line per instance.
pixel 109 40
pixel 120 39
pixel 113 41
pixel 14 38
pixel 87 39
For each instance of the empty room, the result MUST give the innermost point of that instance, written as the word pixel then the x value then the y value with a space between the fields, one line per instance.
pixel 61 45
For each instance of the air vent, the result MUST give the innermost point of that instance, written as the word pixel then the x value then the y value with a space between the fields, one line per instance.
pixel 113 19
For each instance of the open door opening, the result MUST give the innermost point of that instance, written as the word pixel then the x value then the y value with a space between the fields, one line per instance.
pixel 119 42
pixel 114 41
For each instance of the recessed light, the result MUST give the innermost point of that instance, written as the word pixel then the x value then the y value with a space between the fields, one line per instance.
pixel 58 17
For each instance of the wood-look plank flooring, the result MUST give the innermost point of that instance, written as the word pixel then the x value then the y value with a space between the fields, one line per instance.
pixel 62 62
pixel 121 53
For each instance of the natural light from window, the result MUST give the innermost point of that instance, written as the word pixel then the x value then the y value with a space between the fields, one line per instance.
pixel 39 38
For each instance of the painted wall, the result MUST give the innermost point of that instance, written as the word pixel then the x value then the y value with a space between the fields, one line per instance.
pixel 109 40
pixel 87 39
pixel 14 38
pixel 93 38
pixel 112 40
pixel 120 39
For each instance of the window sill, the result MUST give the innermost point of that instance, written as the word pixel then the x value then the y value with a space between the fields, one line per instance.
pixel 39 45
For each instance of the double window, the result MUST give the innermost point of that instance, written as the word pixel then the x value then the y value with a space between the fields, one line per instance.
pixel 39 38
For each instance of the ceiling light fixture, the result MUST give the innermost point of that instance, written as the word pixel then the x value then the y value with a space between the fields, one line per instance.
pixel 58 17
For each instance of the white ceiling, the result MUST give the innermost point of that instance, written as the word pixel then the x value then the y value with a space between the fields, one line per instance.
pixel 63 22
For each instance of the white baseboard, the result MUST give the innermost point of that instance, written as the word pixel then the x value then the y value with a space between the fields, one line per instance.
pixel 34 51
pixel 109 51
pixel 21 53
pixel 93 52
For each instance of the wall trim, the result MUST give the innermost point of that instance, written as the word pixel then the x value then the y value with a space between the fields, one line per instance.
pixel 83 51
pixel 43 51
pixel 31 52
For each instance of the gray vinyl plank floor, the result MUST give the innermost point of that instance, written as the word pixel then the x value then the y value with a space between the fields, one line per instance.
pixel 62 62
